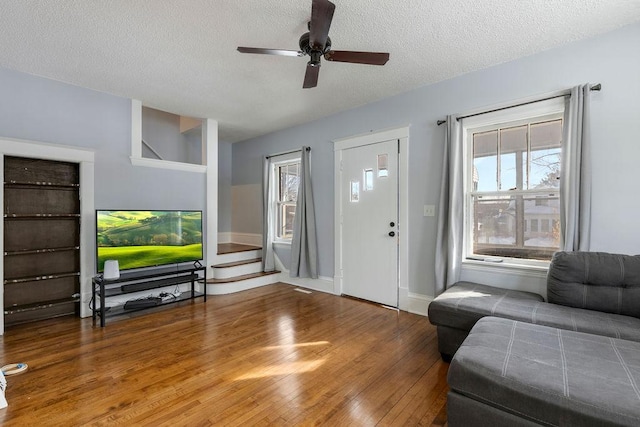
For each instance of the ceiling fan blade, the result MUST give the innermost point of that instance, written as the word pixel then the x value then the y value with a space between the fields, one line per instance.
pixel 280 52
pixel 311 76
pixel 371 58
pixel 321 16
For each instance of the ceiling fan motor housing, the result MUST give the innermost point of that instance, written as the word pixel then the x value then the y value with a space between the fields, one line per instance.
pixel 315 54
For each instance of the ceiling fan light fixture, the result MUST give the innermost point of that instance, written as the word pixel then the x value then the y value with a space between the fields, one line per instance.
pixel 315 58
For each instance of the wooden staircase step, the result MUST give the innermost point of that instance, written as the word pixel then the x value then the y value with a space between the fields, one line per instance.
pixel 237 263
pixel 229 248
pixel 240 278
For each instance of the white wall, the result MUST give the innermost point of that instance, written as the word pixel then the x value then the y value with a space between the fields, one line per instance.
pixel 612 59
pixel 246 206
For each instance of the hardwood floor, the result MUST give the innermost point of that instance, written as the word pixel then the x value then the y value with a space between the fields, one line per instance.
pixel 227 248
pixel 268 356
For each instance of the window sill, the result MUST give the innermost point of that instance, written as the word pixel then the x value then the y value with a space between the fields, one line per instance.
pixel 166 164
pixel 282 242
pixel 537 270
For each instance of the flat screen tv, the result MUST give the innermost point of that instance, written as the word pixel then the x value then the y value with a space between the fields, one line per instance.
pixel 138 239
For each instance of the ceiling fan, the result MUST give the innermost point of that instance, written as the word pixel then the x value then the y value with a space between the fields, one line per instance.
pixel 316 43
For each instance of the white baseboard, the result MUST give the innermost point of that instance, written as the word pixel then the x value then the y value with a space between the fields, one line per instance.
pixel 246 238
pixel 224 237
pixel 85 303
pixel 321 284
pixel 408 301
pixel 418 304
pixel 243 285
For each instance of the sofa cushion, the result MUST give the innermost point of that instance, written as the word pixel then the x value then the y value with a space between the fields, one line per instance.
pixel 462 305
pixel 548 375
pixel 595 281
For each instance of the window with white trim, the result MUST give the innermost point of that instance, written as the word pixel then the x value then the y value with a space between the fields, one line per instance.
pixel 512 183
pixel 286 175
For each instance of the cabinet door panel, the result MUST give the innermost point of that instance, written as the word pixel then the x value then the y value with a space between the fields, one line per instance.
pixel 18 169
pixel 41 264
pixel 34 200
pixel 39 290
pixel 65 309
pixel 30 234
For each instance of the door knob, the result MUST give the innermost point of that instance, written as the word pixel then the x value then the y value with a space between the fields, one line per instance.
pixel 392 233
pixel 392 224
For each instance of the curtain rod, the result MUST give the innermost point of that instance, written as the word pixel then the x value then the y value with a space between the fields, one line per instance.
pixel 286 152
pixel 597 86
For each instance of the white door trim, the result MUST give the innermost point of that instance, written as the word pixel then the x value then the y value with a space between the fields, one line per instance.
pixel 402 135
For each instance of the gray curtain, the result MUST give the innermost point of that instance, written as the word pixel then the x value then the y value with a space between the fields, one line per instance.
pixel 449 238
pixel 304 247
pixel 268 259
pixel 575 178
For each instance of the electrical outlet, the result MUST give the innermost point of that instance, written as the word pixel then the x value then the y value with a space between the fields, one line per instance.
pixel 429 210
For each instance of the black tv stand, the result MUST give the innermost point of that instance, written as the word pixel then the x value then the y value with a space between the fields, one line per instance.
pixel 139 281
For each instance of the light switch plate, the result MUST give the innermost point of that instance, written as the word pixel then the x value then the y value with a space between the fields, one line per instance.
pixel 429 210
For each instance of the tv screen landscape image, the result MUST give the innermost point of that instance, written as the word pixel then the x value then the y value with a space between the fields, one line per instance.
pixel 138 239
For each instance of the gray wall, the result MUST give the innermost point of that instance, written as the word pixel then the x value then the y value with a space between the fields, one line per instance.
pixel 611 59
pixel 192 140
pixel 44 110
pixel 161 131
pixel 224 186
pixel 247 190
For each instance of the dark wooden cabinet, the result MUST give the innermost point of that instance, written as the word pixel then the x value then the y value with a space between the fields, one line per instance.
pixel 41 239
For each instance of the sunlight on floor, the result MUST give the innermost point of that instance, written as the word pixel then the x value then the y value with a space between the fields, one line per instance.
pixel 290 352
pixel 282 369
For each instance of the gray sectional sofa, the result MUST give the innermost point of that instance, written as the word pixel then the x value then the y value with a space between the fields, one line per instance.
pixel 509 373
pixel 574 360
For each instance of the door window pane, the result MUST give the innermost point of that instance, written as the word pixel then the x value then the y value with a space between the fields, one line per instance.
pixel 383 165
pixel 368 179
pixel 355 191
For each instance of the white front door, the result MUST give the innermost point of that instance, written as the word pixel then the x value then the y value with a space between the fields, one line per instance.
pixel 369 223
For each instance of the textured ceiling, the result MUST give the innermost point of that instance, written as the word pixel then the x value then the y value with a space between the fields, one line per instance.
pixel 180 56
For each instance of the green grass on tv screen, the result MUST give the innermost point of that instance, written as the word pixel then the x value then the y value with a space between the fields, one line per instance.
pixel 148 238
pixel 145 256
